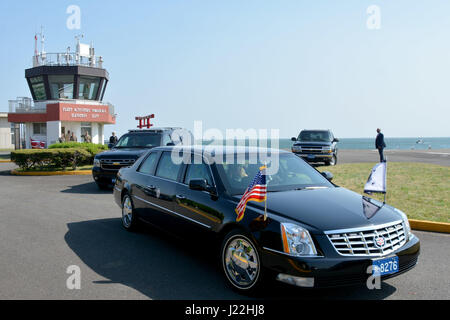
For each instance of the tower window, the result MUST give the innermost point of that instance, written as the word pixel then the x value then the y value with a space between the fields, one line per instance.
pixel 88 88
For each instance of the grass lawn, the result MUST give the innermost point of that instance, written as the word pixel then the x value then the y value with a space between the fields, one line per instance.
pixel 420 190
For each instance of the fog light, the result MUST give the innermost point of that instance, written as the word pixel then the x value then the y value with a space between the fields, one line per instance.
pixel 296 281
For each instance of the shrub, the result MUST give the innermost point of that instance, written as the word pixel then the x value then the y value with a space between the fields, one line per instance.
pixel 50 158
pixel 92 148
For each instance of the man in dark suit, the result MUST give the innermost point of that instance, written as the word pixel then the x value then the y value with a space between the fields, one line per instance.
pixel 113 139
pixel 380 145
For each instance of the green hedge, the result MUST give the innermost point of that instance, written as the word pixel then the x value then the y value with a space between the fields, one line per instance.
pixel 92 148
pixel 51 158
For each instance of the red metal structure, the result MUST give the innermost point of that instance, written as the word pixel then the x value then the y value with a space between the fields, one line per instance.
pixel 144 122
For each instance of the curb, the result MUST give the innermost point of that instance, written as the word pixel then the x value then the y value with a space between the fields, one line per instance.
pixel 429 226
pixel 53 173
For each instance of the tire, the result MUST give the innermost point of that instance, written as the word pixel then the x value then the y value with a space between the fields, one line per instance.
pixel 129 219
pixel 102 186
pixel 333 161
pixel 237 270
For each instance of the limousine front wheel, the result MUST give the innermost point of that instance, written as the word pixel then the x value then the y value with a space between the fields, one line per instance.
pixel 129 220
pixel 241 262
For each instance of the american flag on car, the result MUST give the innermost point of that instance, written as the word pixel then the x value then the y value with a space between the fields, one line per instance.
pixel 256 191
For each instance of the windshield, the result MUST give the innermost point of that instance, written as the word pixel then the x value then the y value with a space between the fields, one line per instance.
pixel 314 136
pixel 293 173
pixel 149 140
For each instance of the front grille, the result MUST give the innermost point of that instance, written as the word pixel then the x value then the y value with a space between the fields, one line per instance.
pixel 115 164
pixel 311 150
pixel 362 242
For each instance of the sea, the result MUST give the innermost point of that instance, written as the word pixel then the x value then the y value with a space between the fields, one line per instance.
pixel 369 143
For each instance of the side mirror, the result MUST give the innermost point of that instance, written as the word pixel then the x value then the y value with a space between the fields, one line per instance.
pixel 328 175
pixel 170 144
pixel 198 184
pixel 335 140
pixel 201 185
pixel 294 139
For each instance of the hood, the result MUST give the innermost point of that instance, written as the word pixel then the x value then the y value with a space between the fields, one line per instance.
pixel 328 209
pixel 313 144
pixel 126 153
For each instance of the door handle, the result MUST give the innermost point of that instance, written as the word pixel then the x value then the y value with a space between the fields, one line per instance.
pixel 180 197
pixel 151 187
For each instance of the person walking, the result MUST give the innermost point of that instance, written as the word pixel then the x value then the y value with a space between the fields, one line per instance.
pixel 380 144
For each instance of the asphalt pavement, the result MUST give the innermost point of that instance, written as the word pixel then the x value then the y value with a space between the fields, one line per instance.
pixel 440 157
pixel 50 223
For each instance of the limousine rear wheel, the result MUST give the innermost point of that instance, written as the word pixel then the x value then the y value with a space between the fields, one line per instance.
pixel 129 220
pixel 241 262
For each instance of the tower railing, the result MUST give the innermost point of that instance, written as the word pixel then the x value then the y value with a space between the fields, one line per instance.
pixel 66 59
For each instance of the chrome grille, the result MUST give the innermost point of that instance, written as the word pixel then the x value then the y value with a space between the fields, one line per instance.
pixel 362 242
pixel 116 164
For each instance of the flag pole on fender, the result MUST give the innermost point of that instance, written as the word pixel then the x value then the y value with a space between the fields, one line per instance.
pixel 376 183
pixel 265 201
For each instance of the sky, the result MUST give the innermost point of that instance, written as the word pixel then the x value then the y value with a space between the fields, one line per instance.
pixel 259 64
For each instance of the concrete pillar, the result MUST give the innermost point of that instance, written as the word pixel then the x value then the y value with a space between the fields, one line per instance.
pixel 53 132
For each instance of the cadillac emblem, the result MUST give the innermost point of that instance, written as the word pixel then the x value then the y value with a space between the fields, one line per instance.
pixel 379 242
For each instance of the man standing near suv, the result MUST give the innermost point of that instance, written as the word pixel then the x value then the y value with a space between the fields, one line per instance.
pixel 380 145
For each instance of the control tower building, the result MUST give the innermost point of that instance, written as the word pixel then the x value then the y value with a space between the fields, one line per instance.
pixel 67 92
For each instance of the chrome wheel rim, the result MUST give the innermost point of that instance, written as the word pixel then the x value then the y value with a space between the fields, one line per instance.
pixel 127 212
pixel 241 262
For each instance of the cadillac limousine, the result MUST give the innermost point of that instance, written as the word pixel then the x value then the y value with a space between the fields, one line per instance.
pixel 315 233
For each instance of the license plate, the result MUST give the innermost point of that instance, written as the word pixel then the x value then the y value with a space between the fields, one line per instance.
pixel 311 156
pixel 385 266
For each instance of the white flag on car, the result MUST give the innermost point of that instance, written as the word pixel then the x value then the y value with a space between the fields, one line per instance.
pixel 377 179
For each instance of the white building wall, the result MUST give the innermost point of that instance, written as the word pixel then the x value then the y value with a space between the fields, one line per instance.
pixel 53 132
pixel 5 132
pixel 95 132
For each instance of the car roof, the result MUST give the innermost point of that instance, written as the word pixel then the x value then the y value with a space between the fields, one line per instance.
pixel 317 130
pixel 153 130
pixel 218 150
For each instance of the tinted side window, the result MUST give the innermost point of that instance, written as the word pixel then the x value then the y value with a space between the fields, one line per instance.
pixel 166 168
pixel 198 171
pixel 148 165
pixel 166 140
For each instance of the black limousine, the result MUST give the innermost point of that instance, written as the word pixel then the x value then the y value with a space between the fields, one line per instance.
pixel 315 234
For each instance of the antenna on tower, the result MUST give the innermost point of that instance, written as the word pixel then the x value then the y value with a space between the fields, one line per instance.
pixel 42 41
pixel 42 54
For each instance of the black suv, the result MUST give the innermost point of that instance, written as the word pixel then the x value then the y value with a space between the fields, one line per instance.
pixel 316 146
pixel 127 150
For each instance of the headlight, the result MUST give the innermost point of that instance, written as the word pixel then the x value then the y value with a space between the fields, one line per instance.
pixel 297 241
pixel 405 222
pixel 96 162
